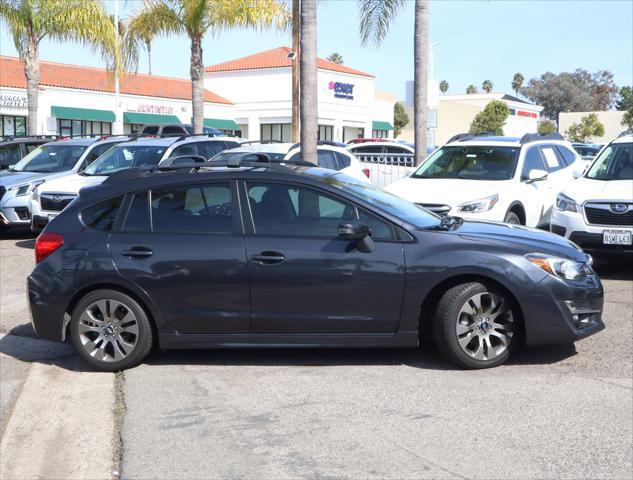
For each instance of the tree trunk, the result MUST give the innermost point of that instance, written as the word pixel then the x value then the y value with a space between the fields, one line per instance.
pixel 296 26
pixel 420 78
pixel 149 57
pixel 308 83
pixel 197 84
pixel 32 74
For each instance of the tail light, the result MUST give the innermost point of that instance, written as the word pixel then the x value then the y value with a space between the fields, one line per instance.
pixel 46 244
pixel 367 172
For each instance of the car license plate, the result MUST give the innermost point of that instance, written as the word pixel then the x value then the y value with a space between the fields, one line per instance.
pixel 617 237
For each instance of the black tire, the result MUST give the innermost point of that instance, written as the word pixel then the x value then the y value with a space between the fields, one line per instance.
pixel 449 312
pixel 512 218
pixel 123 304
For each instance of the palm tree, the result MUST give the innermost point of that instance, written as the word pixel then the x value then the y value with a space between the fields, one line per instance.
pixel 375 19
pixel 195 18
pixel 29 22
pixel 470 89
pixel 487 86
pixel 336 58
pixel 517 82
pixel 308 87
pixel 443 86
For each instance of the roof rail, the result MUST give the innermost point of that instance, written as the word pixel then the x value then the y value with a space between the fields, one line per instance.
pixel 626 132
pixel 534 137
pixel 15 137
pixel 183 136
pixel 262 142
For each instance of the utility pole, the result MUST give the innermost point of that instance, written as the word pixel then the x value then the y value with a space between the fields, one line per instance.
pixel 296 112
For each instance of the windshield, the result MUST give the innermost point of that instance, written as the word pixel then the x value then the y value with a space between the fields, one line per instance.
pixel 614 163
pixel 122 157
pixel 396 206
pixel 470 163
pixel 51 158
pixel 225 156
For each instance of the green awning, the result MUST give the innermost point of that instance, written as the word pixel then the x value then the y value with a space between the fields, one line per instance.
pixel 221 124
pixel 378 125
pixel 73 113
pixel 142 118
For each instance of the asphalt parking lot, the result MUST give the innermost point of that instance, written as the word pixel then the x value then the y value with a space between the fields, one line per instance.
pixel 555 412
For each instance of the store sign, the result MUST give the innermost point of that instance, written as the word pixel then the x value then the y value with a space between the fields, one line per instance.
pixel 523 113
pixel 159 109
pixel 342 90
pixel 13 101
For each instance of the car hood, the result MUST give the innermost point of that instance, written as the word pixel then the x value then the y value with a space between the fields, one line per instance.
pixel 585 189
pixel 445 191
pixel 72 183
pixel 8 178
pixel 530 240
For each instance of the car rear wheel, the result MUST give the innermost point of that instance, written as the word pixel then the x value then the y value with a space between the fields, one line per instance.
pixel 476 325
pixel 110 330
pixel 512 218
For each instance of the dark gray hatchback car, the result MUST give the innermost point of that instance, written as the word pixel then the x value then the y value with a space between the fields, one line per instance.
pixel 261 255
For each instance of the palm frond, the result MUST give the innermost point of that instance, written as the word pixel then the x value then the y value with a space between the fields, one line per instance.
pixel 375 18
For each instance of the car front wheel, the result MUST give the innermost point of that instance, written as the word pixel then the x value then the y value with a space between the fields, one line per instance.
pixel 110 330
pixel 476 325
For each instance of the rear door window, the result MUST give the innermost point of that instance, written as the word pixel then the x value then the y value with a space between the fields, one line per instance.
pixel 137 218
pixel 150 130
pixel 568 155
pixel 102 215
pixel 553 160
pixel 95 153
pixel 327 159
pixel 192 209
pixel 344 160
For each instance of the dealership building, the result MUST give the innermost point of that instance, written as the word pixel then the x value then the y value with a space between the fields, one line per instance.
pixel 250 96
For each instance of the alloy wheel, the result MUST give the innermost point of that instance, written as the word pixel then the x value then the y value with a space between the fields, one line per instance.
pixel 108 330
pixel 485 326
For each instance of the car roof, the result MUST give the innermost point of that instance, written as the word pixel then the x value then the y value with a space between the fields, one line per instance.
pixel 9 140
pixel 624 137
pixel 75 141
pixel 262 148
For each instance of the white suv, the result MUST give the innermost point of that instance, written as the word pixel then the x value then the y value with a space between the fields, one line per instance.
pixel 514 180
pixel 596 211
pixel 52 197
pixel 330 155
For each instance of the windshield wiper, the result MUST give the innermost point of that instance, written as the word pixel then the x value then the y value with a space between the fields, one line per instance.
pixel 448 223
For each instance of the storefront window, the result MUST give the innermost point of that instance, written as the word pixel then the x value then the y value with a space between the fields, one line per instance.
pixel 350 133
pixel 380 133
pixel 129 128
pixel 275 131
pixel 326 132
pixel 12 125
pixel 75 128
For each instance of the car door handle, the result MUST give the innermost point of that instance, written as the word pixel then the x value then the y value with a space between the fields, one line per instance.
pixel 268 258
pixel 137 252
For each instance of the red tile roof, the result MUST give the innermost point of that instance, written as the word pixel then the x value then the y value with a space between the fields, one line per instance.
pixel 88 78
pixel 277 58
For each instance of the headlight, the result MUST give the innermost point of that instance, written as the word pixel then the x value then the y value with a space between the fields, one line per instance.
pixel 479 205
pixel 25 189
pixel 563 202
pixel 561 267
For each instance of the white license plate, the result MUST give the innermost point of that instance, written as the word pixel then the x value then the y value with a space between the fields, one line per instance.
pixel 617 237
pixel 51 216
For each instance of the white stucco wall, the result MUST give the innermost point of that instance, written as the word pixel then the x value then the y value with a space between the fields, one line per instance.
pixel 612 121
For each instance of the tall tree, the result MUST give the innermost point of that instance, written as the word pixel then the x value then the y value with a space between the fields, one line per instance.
pixel 517 82
pixel 487 86
pixel 579 91
pixel 296 74
pixel 30 22
pixel 470 89
pixel 375 19
pixel 625 102
pixel 443 86
pixel 308 88
pixel 335 57
pixel 196 18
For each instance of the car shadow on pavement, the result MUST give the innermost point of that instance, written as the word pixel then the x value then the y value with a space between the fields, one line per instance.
pixel 30 244
pixel 22 344
pixel 613 265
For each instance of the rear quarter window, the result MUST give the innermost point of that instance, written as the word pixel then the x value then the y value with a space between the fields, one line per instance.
pixel 102 215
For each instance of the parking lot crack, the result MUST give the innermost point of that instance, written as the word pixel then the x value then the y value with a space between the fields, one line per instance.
pixel 432 463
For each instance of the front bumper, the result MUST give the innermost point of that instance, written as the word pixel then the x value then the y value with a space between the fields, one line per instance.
pixel 572 226
pixel 15 211
pixel 561 311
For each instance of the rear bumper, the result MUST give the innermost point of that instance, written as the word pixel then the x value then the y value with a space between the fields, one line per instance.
pixel 48 298
pixel 563 311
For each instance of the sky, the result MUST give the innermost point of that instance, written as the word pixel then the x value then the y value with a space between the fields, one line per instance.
pixel 477 40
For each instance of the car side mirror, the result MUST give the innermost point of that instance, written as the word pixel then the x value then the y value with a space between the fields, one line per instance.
pixel 578 173
pixel 537 175
pixel 359 231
